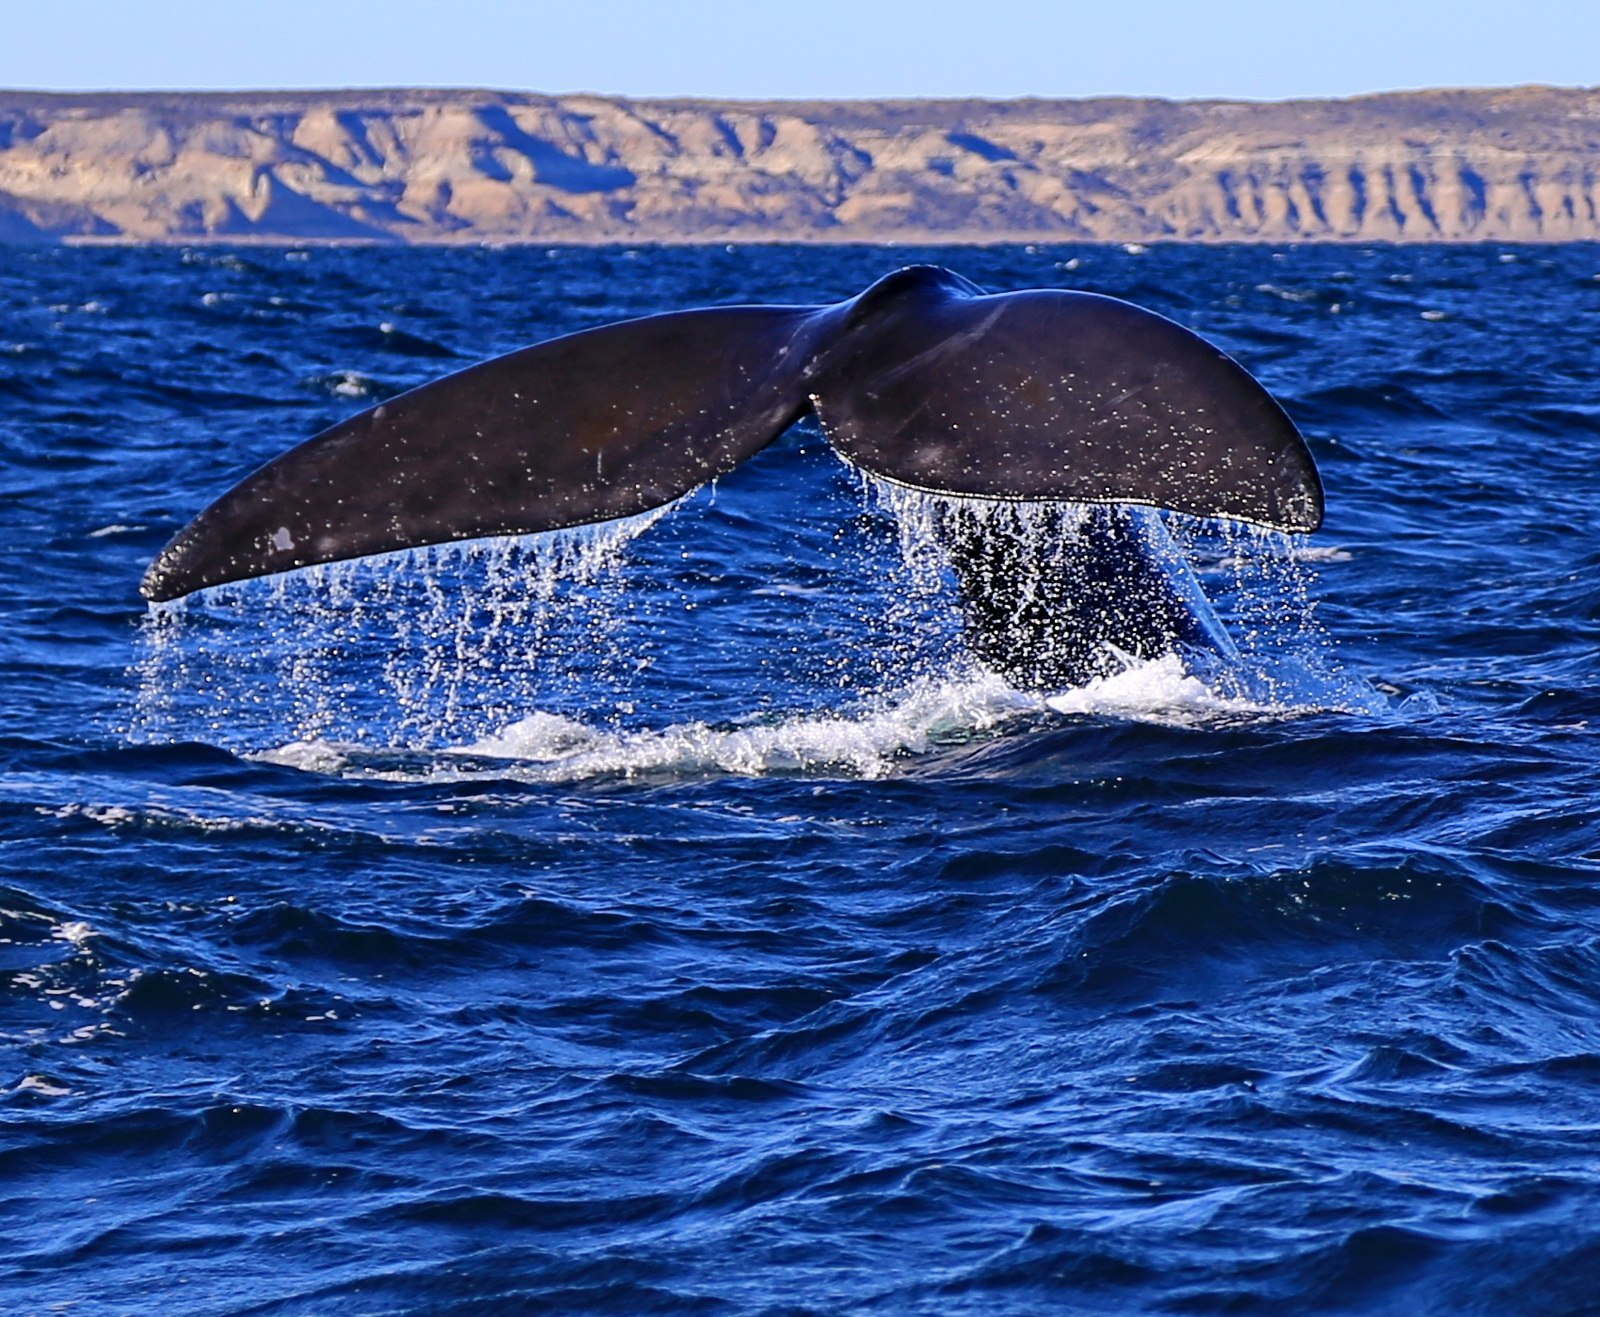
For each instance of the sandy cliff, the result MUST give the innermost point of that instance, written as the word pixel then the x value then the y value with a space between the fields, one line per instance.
pixel 450 166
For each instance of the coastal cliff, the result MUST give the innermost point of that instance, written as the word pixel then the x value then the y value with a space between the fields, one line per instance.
pixel 474 166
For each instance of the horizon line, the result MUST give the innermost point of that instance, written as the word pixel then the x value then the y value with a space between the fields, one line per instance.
pixel 701 98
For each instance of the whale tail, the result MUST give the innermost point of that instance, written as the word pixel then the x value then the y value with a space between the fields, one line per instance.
pixel 1042 395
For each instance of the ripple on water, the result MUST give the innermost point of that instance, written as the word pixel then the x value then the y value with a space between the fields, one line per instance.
pixel 675 916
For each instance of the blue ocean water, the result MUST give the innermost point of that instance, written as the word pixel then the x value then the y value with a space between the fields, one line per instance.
pixel 672 918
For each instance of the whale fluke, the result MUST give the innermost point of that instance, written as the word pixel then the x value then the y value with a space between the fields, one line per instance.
pixel 922 379
pixel 585 428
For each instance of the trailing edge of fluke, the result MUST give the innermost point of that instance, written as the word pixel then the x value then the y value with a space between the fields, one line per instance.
pixel 922 379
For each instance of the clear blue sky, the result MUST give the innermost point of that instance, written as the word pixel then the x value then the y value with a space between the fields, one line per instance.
pixel 805 48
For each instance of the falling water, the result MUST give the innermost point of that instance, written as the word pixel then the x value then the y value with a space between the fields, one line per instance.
pixel 541 648
pixel 1259 584
pixel 1168 1003
pixel 464 637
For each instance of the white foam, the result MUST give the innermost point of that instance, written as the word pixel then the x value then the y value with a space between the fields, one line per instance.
pixel 76 931
pixel 308 756
pixel 429 662
pixel 351 384
pixel 1320 553
pixel 153 815
pixel 42 1085
pixel 1288 294
pixel 878 739
pixel 1158 690
pixel 867 742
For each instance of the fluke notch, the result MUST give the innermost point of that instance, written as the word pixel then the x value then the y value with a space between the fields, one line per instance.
pixel 1043 395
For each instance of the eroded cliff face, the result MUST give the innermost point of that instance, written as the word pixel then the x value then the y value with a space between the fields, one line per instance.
pixel 452 166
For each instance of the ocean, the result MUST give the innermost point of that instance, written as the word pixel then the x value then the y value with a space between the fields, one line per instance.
pixel 674 917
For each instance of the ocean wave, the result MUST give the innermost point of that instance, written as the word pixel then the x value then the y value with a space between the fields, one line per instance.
pixel 551 747
pixel 681 920
pixel 878 738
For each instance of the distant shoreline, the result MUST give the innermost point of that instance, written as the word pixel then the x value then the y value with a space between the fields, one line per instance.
pixel 475 167
pixel 910 242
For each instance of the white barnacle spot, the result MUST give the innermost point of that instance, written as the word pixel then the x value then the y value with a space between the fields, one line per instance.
pixel 281 539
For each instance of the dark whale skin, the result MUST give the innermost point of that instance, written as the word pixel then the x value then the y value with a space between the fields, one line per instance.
pixel 923 379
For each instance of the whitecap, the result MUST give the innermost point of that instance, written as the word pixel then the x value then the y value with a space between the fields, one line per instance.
pixel 42 1085
pixel 1161 690
pixel 866 742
